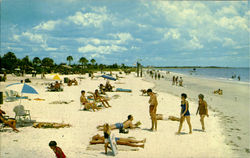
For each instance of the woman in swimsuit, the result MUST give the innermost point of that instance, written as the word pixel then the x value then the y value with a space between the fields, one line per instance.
pixel 202 109
pixel 184 113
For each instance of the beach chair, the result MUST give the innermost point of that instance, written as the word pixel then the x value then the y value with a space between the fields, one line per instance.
pixel 21 115
pixel 2 125
pixel 9 98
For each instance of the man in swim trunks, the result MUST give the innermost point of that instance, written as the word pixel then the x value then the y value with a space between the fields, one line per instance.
pixel 126 124
pixel 153 108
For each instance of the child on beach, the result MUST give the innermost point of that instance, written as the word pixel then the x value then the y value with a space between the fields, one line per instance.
pixel 153 108
pixel 202 109
pixel 184 113
pixel 107 133
pixel 57 150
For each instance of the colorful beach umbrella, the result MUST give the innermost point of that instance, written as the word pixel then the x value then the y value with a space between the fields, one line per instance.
pixel 56 77
pixel 21 88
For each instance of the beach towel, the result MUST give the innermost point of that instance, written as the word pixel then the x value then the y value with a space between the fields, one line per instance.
pixel 123 90
pixel 100 147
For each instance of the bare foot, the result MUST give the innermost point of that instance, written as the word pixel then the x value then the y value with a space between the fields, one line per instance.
pixel 190 132
pixel 144 140
pixel 177 133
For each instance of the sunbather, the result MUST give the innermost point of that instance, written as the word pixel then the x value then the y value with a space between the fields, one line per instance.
pixel 10 122
pixel 108 87
pixel 126 124
pixel 97 97
pixel 86 103
pixel 102 89
pixel 97 139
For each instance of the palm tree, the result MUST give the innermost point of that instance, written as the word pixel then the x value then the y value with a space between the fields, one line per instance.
pixel 69 58
pixel 93 61
pixel 83 61
pixel 36 61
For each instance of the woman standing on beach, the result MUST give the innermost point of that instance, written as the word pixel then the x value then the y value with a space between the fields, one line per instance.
pixel 202 109
pixel 184 113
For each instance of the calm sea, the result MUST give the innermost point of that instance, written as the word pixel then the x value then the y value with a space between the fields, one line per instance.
pixel 215 73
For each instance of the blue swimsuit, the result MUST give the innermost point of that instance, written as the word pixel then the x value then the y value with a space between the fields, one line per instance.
pixel 183 109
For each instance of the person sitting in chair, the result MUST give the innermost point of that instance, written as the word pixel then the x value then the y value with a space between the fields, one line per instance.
pixel 9 122
pixel 97 97
pixel 86 103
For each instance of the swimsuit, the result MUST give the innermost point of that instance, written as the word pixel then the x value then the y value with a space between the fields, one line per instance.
pixel 183 109
pixel 119 125
pixel 58 151
pixel 202 109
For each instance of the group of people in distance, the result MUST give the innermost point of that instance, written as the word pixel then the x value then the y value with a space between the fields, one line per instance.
pixel 184 114
pixel 175 81
pixel 55 86
pixel 71 82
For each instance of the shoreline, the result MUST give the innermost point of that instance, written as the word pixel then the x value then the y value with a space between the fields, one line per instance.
pixel 235 122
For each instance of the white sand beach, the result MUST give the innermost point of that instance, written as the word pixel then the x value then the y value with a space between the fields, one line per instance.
pixel 33 142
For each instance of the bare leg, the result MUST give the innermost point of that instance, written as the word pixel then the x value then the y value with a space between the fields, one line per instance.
pixel 129 144
pixel 189 124
pixel 107 103
pixel 159 117
pixel 202 122
pixel 96 142
pixel 132 140
pixel 180 125
pixel 12 124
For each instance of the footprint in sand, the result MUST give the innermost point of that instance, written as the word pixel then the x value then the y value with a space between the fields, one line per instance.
pixel 239 137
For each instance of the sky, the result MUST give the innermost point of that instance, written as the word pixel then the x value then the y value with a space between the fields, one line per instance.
pixel 156 33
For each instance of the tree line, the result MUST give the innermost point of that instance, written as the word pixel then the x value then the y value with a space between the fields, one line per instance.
pixel 9 63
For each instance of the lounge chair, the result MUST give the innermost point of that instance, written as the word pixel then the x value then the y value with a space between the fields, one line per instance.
pixel 21 115
pixel 9 98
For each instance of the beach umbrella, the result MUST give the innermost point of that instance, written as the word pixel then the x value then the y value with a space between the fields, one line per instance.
pixel 108 77
pixel 56 77
pixel 21 88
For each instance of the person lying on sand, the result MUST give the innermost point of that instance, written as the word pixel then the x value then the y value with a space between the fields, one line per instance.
pixel 86 103
pixel 126 124
pixel 97 139
pixel 163 117
pixel 9 122
pixel 50 125
pixel 219 91
pixel 202 109
pixel 97 98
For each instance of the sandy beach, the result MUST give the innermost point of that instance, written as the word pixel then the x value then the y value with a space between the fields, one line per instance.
pixel 33 142
pixel 232 108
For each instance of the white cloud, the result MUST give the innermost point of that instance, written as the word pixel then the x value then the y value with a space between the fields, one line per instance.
pixel 49 25
pixel 14 49
pixel 38 38
pixel 101 49
pixel 88 19
pixel 228 42
pixel 228 10
pixel 172 33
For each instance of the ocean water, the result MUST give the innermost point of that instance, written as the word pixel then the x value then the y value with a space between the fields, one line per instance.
pixel 215 73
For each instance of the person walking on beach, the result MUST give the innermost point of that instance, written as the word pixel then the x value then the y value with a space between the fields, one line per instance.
pixel 173 80
pixel 176 80
pixel 152 108
pixel 184 113
pixel 202 109
pixel 57 150
pixel 181 82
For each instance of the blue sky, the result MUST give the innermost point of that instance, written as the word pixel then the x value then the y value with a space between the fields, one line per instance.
pixel 160 33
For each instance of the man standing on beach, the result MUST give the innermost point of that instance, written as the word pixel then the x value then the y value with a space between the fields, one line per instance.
pixel 152 108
